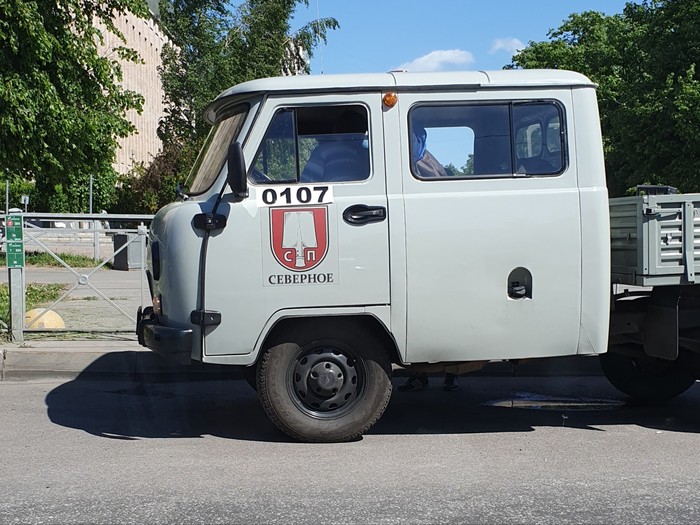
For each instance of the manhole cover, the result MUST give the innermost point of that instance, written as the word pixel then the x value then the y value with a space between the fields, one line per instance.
pixel 540 402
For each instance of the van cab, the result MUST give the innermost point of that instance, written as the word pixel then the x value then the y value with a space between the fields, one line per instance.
pixel 336 226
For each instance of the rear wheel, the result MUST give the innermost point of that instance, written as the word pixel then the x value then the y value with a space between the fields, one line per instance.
pixel 644 378
pixel 328 381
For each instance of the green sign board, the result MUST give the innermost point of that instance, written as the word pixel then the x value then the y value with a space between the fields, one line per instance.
pixel 13 228
pixel 14 245
pixel 15 254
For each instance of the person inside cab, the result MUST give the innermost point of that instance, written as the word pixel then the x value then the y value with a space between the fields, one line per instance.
pixel 343 155
pixel 424 164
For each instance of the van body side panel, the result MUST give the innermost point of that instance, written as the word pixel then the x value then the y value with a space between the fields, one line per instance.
pixel 380 313
pixel 233 280
pixel 466 237
pixel 179 245
pixel 394 150
pixel 595 224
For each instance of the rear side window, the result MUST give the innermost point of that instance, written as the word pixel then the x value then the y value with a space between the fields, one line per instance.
pixel 314 144
pixel 487 140
pixel 538 139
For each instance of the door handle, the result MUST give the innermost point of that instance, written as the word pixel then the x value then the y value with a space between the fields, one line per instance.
pixel 360 214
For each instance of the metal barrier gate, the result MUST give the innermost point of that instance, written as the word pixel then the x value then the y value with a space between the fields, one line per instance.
pixel 99 299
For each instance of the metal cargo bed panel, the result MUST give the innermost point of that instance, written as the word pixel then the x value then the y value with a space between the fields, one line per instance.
pixel 655 239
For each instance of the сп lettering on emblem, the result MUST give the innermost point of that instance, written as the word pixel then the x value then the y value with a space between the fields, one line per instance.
pixel 299 237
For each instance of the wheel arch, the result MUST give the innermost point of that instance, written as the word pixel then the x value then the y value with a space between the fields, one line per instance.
pixel 365 322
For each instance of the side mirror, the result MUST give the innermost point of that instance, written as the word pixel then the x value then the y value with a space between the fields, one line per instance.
pixel 237 177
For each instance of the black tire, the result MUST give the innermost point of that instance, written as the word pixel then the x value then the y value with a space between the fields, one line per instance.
pixel 646 379
pixel 328 381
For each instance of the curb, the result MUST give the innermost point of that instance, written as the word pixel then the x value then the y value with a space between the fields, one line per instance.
pixel 125 359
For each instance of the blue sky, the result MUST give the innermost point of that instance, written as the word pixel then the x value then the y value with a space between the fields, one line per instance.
pixel 434 35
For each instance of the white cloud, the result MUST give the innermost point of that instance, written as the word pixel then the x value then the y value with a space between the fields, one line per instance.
pixel 511 45
pixel 439 60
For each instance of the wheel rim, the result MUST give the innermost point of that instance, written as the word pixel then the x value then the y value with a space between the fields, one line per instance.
pixel 326 381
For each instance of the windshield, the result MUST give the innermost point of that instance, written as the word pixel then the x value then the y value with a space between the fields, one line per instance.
pixel 212 157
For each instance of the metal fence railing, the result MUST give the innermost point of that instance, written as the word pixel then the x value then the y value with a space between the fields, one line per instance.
pixel 100 296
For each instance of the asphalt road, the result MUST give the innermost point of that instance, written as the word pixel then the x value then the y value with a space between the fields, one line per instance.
pixel 202 451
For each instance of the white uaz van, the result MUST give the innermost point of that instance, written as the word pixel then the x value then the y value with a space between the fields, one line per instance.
pixel 338 225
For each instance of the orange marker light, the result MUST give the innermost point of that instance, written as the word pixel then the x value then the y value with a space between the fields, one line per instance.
pixel 390 99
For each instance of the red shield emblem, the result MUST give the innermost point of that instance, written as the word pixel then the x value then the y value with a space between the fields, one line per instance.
pixel 299 237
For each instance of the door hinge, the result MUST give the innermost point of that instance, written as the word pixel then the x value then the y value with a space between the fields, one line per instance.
pixel 205 317
pixel 209 221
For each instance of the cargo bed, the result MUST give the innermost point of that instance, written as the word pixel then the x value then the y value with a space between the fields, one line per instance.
pixel 654 239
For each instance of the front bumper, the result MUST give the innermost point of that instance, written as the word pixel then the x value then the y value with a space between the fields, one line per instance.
pixel 174 344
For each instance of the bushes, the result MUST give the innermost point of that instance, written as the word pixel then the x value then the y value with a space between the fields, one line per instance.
pixel 147 189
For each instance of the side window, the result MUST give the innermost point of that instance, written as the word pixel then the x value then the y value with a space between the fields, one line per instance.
pixel 538 139
pixel 486 140
pixel 460 141
pixel 453 145
pixel 315 144
pixel 276 160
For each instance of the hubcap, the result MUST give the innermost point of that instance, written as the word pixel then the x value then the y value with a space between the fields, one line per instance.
pixel 325 380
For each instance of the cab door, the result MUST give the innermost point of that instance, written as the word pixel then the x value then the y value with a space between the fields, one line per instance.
pixel 491 241
pixel 312 237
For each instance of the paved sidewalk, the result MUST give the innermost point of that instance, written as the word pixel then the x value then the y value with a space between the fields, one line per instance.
pixel 33 359
pixel 122 356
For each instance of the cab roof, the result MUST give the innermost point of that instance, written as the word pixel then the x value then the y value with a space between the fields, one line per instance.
pixel 398 81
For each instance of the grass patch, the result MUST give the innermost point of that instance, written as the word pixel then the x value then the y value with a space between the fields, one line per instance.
pixel 46 259
pixel 36 295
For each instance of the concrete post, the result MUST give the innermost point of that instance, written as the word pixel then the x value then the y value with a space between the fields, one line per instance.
pixel 16 287
pixel 95 241
pixel 142 232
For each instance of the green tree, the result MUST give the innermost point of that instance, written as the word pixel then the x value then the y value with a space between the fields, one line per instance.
pixel 18 187
pixel 464 171
pixel 213 47
pixel 147 188
pixel 61 104
pixel 195 62
pixel 645 62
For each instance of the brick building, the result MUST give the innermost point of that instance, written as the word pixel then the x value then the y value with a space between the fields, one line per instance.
pixel 146 37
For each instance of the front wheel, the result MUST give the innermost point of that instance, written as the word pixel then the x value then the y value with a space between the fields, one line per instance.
pixel 645 378
pixel 328 381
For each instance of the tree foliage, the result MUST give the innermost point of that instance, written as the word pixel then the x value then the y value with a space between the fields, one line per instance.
pixel 61 104
pixel 212 48
pixel 646 62
pixel 147 188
